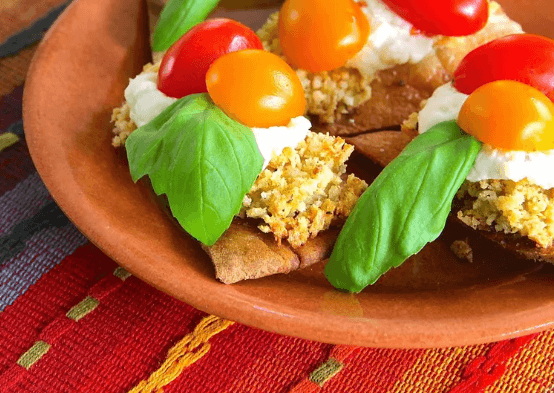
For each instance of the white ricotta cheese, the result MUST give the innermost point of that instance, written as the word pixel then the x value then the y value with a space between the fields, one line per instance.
pixel 390 42
pixel 443 105
pixel 273 140
pixel 144 98
pixel 491 163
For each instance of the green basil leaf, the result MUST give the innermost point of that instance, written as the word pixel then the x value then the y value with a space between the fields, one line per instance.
pixel 204 162
pixel 178 17
pixel 404 208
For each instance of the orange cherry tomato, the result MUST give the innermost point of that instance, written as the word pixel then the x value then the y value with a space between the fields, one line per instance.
pixel 509 115
pixel 321 35
pixel 256 88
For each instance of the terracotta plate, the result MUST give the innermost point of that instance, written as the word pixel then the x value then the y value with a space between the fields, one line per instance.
pixel 78 76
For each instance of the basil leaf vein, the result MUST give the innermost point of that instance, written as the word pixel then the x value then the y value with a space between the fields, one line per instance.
pixel 204 162
pixel 178 17
pixel 405 208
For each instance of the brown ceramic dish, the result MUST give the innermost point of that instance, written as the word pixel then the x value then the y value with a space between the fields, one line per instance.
pixel 77 77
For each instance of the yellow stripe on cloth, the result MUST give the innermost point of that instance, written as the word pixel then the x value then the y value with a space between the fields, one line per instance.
pixel 326 371
pixel 38 350
pixel 82 309
pixel 186 352
pixel 8 139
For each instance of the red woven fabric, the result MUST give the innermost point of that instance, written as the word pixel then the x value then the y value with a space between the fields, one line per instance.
pixel 127 336
pixel 246 359
pixel 389 365
pixel 54 294
pixel 123 339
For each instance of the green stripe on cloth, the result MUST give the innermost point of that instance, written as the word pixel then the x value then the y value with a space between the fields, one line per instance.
pixel 32 356
pixel 83 308
pixel 326 371
pixel 8 139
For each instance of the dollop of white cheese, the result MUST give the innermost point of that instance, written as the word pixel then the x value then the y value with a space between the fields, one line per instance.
pixel 147 102
pixel 144 98
pixel 273 140
pixel 390 42
pixel 443 105
pixel 491 163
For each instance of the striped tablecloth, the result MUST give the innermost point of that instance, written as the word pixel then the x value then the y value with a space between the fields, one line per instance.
pixel 72 321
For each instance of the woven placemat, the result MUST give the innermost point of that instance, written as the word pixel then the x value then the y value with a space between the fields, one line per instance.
pixel 72 321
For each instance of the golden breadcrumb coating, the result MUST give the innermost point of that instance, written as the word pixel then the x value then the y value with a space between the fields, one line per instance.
pixel 409 126
pixel 510 207
pixel 303 191
pixel 123 125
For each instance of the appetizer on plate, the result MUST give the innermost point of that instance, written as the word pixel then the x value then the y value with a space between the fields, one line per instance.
pixel 381 58
pixel 509 192
pixel 483 154
pixel 242 149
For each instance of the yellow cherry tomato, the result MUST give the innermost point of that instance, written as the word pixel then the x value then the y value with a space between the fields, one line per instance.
pixel 509 115
pixel 321 35
pixel 256 88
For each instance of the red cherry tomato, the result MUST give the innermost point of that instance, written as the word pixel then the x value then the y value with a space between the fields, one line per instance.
pixel 321 35
pixel 525 58
pixel 256 88
pixel 184 66
pixel 444 17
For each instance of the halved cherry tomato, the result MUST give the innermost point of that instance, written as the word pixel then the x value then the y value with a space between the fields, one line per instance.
pixel 444 17
pixel 256 88
pixel 321 35
pixel 509 115
pixel 526 58
pixel 184 65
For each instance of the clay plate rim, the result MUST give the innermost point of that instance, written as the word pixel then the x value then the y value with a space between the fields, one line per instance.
pixel 68 134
